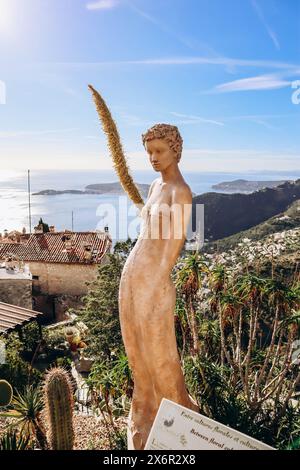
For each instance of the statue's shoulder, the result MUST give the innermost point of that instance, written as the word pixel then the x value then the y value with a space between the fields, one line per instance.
pixel 157 180
pixel 182 192
pixel 152 186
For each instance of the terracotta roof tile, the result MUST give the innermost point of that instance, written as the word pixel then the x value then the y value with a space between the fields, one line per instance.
pixel 51 247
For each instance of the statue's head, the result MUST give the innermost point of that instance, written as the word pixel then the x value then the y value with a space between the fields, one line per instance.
pixel 164 143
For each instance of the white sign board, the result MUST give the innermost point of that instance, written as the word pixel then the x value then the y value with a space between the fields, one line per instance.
pixel 178 428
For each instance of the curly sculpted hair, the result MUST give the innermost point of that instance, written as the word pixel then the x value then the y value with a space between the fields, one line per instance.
pixel 169 133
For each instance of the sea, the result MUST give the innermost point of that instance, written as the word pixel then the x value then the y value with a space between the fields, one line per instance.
pixel 88 212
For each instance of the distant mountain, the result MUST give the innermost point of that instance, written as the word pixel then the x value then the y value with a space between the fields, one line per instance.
pixel 246 186
pixel 101 188
pixel 114 188
pixel 227 214
pixel 54 192
pixel 286 220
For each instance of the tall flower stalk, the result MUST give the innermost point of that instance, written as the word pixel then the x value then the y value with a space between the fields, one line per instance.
pixel 115 148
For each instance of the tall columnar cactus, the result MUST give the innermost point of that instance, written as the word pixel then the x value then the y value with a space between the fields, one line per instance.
pixel 59 408
pixel 6 393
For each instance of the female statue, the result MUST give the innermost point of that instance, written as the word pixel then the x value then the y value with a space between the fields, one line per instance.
pixel 147 294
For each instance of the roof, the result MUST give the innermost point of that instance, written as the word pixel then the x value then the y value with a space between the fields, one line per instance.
pixel 12 316
pixel 14 273
pixel 52 247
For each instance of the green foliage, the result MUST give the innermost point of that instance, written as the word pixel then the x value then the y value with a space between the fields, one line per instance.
pixel 111 378
pixel 101 311
pixel 286 220
pixel 12 440
pixel 118 439
pixel 242 373
pixel 218 399
pixel 54 337
pixel 15 370
pixel 27 408
pixel 65 362
pixel 30 338
pixel 44 225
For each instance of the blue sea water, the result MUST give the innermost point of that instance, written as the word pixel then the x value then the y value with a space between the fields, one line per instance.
pixel 88 210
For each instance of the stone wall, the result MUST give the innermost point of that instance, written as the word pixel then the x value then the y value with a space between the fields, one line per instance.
pixel 16 292
pixel 62 279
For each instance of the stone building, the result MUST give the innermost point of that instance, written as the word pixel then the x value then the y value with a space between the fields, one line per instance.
pixel 61 264
pixel 15 284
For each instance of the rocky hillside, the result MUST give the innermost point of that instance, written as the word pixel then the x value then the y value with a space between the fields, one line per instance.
pixel 228 214
pixel 245 186
pixel 286 220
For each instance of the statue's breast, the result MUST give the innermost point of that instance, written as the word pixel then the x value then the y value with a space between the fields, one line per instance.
pixel 156 221
pixel 160 210
pixel 156 211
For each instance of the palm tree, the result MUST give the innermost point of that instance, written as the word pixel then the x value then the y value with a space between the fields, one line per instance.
pixel 218 279
pixel 188 280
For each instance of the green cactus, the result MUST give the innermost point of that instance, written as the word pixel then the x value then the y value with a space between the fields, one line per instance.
pixel 59 408
pixel 6 393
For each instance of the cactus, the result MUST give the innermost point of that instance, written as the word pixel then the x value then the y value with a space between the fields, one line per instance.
pixel 59 409
pixel 6 393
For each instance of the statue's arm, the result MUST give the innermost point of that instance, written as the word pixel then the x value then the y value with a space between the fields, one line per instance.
pixel 181 208
pixel 181 213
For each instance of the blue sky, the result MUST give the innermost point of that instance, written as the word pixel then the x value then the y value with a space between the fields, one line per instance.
pixel 221 70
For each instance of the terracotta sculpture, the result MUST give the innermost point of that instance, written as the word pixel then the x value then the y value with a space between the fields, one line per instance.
pixel 147 294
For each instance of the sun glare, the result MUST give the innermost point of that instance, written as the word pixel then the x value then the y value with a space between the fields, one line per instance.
pixel 6 17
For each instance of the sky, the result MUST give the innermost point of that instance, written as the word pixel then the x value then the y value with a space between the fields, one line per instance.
pixel 226 72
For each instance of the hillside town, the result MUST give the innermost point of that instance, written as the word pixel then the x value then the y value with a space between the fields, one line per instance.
pixel 49 272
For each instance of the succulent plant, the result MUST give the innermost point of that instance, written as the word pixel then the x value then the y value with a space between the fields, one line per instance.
pixel 59 403
pixel 6 393
pixel 12 440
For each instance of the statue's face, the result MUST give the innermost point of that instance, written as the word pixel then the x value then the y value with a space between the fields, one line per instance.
pixel 161 156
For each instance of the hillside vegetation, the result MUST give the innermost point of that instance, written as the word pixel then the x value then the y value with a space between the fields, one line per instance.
pixel 227 214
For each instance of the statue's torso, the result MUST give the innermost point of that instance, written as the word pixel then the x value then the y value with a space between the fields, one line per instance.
pixel 155 250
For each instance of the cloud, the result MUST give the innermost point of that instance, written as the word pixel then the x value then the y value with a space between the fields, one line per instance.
pixel 265 124
pixel 102 5
pixel 261 16
pixel 261 82
pixel 190 119
pixel 198 60
pixel 190 43
pixel 230 160
pixel 131 119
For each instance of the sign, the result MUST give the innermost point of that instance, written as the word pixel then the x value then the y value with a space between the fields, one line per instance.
pixel 178 428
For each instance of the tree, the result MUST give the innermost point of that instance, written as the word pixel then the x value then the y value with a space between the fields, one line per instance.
pixel 44 225
pixel 101 309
